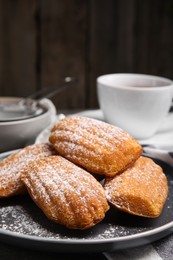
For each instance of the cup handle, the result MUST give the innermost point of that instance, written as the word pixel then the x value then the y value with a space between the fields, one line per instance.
pixel 171 107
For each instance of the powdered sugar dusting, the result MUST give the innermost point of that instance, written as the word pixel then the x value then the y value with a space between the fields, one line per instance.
pixel 97 132
pixel 20 215
pixel 90 143
pixel 66 193
pixel 20 219
pixel 12 167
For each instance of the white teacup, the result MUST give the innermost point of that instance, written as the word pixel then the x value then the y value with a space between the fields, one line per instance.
pixel 136 103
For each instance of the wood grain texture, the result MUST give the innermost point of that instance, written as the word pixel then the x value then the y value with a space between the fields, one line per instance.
pixel 17 47
pixel 43 41
pixel 63 39
pixel 111 40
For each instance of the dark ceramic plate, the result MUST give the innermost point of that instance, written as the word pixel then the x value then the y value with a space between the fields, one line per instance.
pixel 23 223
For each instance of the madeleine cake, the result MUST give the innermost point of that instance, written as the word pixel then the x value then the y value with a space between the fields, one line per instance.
pixel 95 145
pixel 140 190
pixel 12 167
pixel 66 193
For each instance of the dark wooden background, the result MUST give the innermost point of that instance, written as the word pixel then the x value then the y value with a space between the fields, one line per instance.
pixel 42 41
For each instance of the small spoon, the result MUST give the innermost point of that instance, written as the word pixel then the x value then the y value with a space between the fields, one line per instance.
pixel 27 107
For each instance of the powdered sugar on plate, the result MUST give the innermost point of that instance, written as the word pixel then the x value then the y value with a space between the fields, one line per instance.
pixel 20 215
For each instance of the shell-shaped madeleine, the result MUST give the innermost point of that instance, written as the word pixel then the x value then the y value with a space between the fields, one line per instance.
pixel 95 145
pixel 66 193
pixel 140 190
pixel 12 167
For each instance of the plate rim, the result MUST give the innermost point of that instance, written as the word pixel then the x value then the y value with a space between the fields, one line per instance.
pixel 27 239
pixel 87 241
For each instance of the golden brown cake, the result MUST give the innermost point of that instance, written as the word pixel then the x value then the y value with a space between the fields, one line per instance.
pixel 96 146
pixel 140 190
pixel 66 193
pixel 12 167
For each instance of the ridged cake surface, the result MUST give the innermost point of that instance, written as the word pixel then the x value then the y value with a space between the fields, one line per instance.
pixel 66 193
pixel 12 167
pixel 95 145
